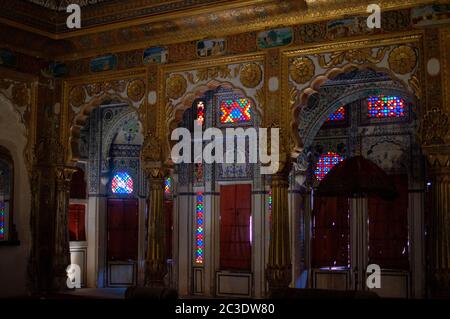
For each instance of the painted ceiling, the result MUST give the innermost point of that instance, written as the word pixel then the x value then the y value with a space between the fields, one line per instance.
pixel 61 5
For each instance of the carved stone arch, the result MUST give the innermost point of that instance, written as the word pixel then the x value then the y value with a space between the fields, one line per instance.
pixel 309 128
pixel 9 103
pixel 12 109
pixel 112 131
pixel 316 120
pixel 175 113
pixel 81 117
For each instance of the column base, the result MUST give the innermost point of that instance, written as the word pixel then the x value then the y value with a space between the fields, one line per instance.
pixel 441 283
pixel 155 271
pixel 279 277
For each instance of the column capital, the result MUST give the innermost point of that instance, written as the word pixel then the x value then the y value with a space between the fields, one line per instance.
pixel 280 179
pixel 64 173
pixel 154 170
pixel 439 163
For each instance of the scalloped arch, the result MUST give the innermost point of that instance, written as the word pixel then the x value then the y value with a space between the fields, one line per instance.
pixel 187 101
pixel 314 87
pixel 80 120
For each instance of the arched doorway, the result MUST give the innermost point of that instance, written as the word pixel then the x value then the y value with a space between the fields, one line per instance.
pixel 223 203
pixel 365 112
pixel 15 199
pixel 111 250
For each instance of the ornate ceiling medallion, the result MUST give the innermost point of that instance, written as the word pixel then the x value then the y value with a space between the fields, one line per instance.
pixel 176 86
pixel 402 59
pixel 77 96
pixel 251 75
pixel 302 70
pixel 136 90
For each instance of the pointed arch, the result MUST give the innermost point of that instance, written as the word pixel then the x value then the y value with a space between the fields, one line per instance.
pixel 80 120
pixel 175 113
pixel 304 129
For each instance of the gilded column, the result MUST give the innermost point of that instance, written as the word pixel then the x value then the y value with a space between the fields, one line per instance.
pixel 435 139
pixel 279 268
pixel 441 224
pixel 61 251
pixel 155 263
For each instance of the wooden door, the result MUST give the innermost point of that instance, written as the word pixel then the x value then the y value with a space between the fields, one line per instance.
pixel 122 229
pixel 235 227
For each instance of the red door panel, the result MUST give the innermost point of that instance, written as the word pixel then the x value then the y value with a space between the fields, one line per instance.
pixel 77 230
pixel 235 212
pixel 122 229
pixel 388 228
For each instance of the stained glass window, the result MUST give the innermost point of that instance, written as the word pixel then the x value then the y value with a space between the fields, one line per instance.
pixel 6 187
pixel 235 110
pixel 385 106
pixel 200 112
pixel 269 204
pixel 337 116
pixel 199 233
pixel 2 220
pixel 168 186
pixel 269 201
pixel 326 163
pixel 122 183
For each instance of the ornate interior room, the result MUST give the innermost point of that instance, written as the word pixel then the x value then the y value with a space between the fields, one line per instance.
pixel 86 173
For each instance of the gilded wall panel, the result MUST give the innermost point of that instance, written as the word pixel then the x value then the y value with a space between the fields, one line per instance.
pixel 83 94
pixel 445 49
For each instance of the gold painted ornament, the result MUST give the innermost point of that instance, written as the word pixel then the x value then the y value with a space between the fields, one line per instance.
pixel 20 95
pixel 136 90
pixel 94 89
pixel 176 86
pixel 402 59
pixel 251 75
pixel 302 70
pixel 77 96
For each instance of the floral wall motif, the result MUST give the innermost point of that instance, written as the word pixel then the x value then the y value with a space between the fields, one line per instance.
pixel 83 97
pixel 343 90
pixel 21 93
pixel 309 68
pixel 107 131
pixel 184 86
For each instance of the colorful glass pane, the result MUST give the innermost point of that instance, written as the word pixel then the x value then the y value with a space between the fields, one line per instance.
pixel 385 106
pixel 337 116
pixel 326 163
pixel 2 220
pixel 199 233
pixel 200 112
pixel 122 183
pixel 235 110
pixel 269 203
pixel 168 186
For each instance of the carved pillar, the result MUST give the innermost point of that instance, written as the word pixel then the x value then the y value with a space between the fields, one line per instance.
pixel 301 227
pixel 155 263
pixel 279 268
pixel 61 251
pixel 440 189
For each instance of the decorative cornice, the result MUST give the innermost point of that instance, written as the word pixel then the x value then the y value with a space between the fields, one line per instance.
pixel 218 19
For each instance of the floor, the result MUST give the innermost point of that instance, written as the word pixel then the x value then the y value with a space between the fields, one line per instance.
pixel 96 293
